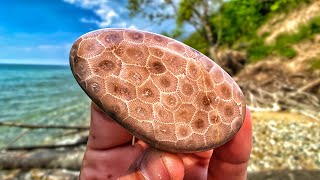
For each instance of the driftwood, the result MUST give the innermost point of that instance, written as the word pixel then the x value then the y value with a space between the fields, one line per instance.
pixel 67 158
pixel 311 85
pixel 268 87
pixel 81 141
pixel 231 61
pixel 66 155
pixel 29 127
pixel 261 99
pixel 33 126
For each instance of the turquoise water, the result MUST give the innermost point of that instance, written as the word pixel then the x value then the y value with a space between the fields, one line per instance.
pixel 39 94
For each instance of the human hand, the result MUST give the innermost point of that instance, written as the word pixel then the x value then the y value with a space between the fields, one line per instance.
pixel 110 155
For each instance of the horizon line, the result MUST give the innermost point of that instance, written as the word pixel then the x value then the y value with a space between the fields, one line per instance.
pixel 35 63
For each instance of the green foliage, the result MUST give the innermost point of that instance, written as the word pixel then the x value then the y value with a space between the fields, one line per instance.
pixel 285 5
pixel 175 33
pixel 257 51
pixel 197 41
pixel 134 6
pixel 234 22
pixel 185 10
pixel 238 20
pixel 287 52
pixel 152 10
pixel 283 43
pixel 304 32
pixel 315 64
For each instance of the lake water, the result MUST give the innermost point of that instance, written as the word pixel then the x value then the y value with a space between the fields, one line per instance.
pixel 39 94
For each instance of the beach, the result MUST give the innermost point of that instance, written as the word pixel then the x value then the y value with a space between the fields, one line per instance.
pixel 284 143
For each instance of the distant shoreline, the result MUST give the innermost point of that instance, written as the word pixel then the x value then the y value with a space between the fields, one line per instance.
pixel 32 64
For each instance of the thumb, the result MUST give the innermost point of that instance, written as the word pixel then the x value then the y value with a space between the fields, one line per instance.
pixel 155 164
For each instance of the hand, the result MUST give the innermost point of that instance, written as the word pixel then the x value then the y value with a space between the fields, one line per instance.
pixel 110 155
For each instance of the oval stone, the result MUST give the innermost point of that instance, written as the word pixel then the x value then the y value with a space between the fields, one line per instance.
pixel 175 98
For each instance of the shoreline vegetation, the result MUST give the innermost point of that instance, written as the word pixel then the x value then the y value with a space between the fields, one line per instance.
pixel 270 48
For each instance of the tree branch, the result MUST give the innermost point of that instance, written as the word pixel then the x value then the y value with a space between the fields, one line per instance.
pixel 175 8
pixel 205 9
pixel 219 32
pixel 310 85
pixel 197 13
pixel 196 25
pixel 20 135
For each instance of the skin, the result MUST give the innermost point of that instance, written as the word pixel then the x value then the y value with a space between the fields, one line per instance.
pixel 110 155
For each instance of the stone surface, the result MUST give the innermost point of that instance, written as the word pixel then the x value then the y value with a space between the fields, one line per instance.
pixel 160 90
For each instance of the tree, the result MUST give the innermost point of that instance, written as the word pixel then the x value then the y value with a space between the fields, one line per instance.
pixel 194 12
pixel 228 23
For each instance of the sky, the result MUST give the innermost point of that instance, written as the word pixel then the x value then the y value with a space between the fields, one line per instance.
pixel 42 31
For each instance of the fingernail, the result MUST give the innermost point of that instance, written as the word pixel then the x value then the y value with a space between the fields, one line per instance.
pixel 153 166
pixel 173 164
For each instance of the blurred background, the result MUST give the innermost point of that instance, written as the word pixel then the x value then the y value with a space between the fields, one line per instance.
pixel 270 47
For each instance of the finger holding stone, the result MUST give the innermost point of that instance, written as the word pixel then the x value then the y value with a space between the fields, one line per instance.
pixel 156 164
pixel 104 132
pixel 109 164
pixel 230 161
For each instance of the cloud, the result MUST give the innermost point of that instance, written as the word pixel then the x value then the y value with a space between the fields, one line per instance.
pixel 107 17
pixel 132 27
pixel 113 13
pixel 85 20
pixel 102 8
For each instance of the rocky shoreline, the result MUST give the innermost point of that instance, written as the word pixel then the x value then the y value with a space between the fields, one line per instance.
pixel 285 146
pixel 284 141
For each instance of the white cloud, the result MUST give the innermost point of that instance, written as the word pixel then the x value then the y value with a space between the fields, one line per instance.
pixel 106 17
pixel 112 13
pixel 132 27
pixel 100 7
pixel 85 20
pixel 69 1
pixel 88 4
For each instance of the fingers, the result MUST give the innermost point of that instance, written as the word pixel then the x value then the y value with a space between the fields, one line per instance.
pixel 230 161
pixel 156 164
pixel 104 131
pixel 109 152
pixel 196 164
pixel 108 164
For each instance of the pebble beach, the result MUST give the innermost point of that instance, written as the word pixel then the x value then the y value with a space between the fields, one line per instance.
pixel 284 141
pixel 285 146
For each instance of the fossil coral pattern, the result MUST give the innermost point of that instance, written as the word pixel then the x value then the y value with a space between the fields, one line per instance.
pixel 162 91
